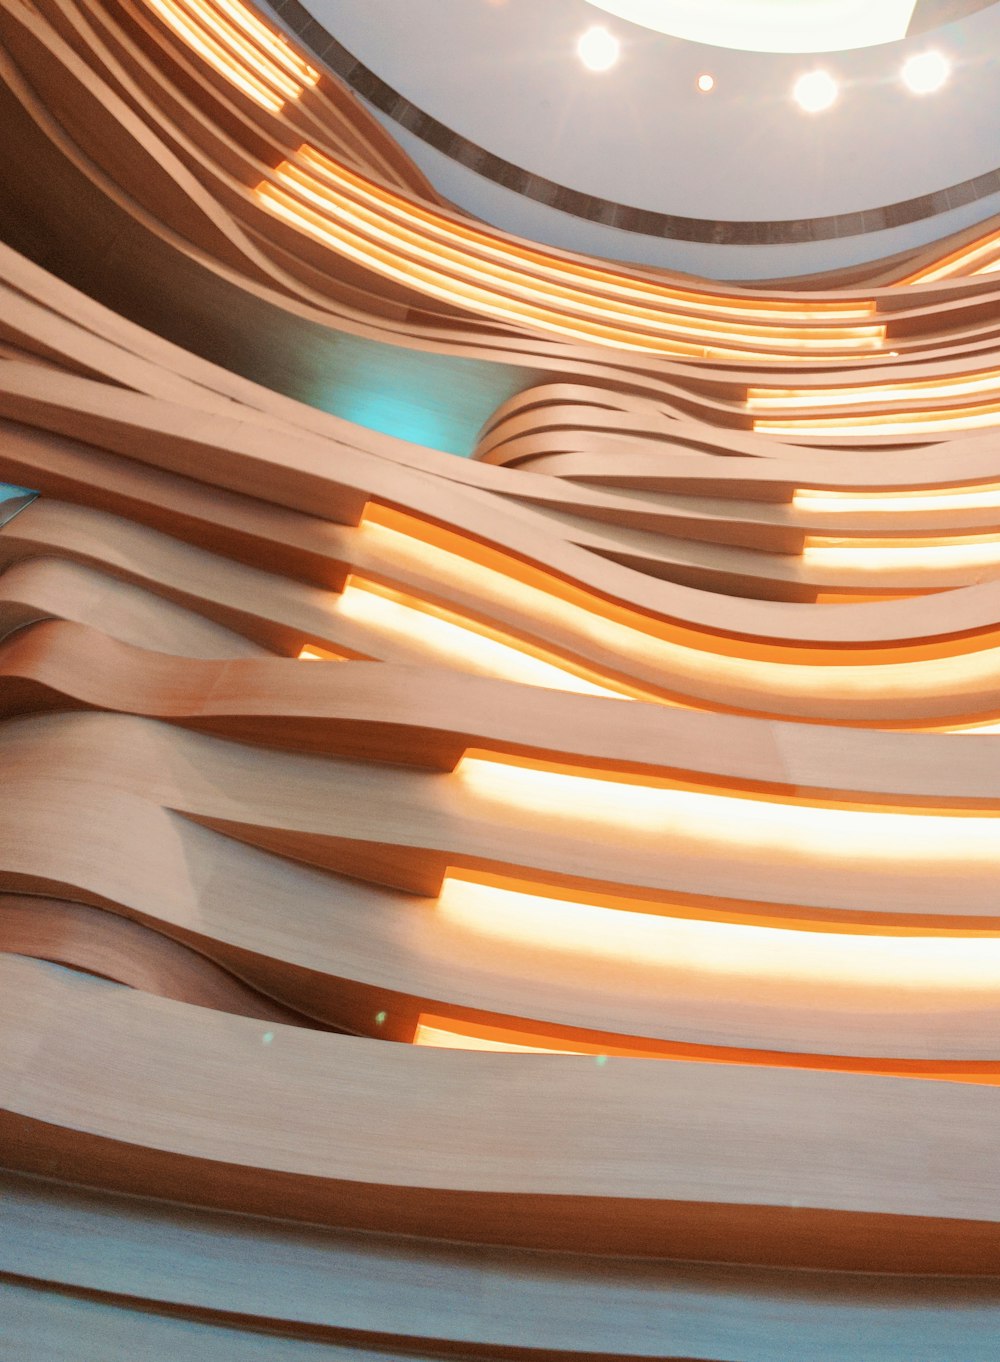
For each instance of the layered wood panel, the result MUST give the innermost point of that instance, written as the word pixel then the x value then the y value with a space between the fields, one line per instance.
pixel 535 904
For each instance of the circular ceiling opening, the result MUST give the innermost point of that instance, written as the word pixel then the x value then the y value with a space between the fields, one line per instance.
pixel 790 25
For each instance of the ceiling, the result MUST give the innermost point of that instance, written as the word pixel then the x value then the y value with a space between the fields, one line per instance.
pixel 789 25
pixel 504 76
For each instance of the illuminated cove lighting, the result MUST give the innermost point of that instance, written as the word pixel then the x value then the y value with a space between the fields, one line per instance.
pixel 889 555
pixel 982 384
pixel 444 1034
pixel 444 637
pixel 648 936
pixel 956 415
pixel 980 257
pixel 571 274
pixel 452 1034
pixel 771 25
pixel 984 497
pixel 823 831
pixel 688 662
pixel 313 653
pixel 978 417
pixel 384 233
pixel 235 43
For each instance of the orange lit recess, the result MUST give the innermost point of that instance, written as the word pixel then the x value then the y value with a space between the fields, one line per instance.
pixel 983 497
pixel 791 399
pixel 900 421
pixel 444 1034
pixel 717 822
pixel 444 637
pixel 386 233
pixel 243 50
pixel 451 1034
pixel 647 936
pixel 534 260
pixel 887 555
pixel 981 257
pixel 311 653
pixel 914 423
pixel 698 670
pixel 447 1033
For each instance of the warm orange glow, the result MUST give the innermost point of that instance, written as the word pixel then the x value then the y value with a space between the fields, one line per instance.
pixel 649 937
pixel 790 399
pixel 470 273
pixel 452 1034
pixel 216 57
pixel 714 669
pixel 445 1035
pixel 441 636
pixel 916 423
pixel 404 234
pixel 887 555
pixel 980 257
pixel 312 653
pixel 438 284
pixel 543 265
pixel 246 53
pixel 256 60
pixel 905 419
pixel 939 499
pixel 386 233
pixel 449 1033
pixel 715 820
pixel 849 597
pixel 274 44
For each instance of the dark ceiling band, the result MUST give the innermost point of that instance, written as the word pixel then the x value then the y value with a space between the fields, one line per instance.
pixel 642 221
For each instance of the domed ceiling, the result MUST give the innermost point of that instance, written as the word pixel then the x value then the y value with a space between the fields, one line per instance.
pixel 635 162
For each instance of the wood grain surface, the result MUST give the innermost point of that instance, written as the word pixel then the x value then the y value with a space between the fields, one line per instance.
pixel 657 737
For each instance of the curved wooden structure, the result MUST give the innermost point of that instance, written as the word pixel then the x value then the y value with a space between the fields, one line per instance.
pixel 596 954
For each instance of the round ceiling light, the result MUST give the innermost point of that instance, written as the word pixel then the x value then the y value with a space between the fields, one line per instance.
pixel 815 91
pixel 926 72
pixel 706 83
pixel 598 49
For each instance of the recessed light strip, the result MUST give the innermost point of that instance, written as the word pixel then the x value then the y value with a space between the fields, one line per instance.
pixel 248 54
pixel 337 226
pixel 637 932
pixel 980 417
pixel 369 223
pixel 985 497
pixel 520 258
pixel 444 636
pixel 702 670
pixel 273 43
pixel 932 554
pixel 744 821
pixel 216 56
pixel 255 60
pixel 984 383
